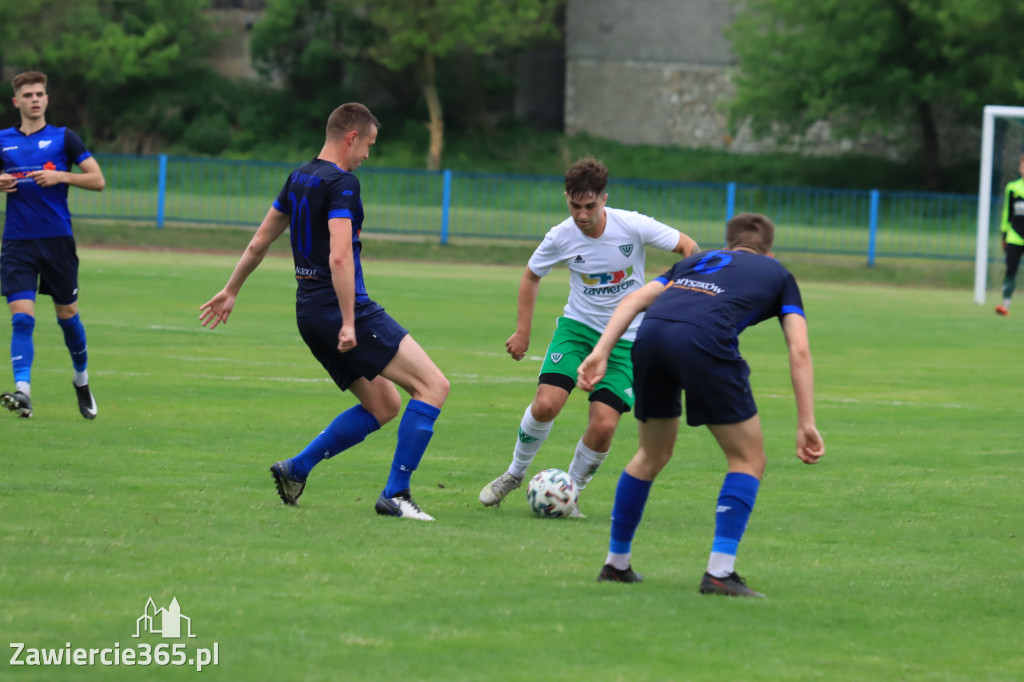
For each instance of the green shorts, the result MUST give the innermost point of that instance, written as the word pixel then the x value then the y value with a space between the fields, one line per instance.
pixel 572 342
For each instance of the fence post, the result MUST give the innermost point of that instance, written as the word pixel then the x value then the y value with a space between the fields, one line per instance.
pixel 161 192
pixel 730 204
pixel 446 205
pixel 873 233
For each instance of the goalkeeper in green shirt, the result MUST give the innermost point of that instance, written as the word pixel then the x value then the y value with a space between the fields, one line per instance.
pixel 1012 227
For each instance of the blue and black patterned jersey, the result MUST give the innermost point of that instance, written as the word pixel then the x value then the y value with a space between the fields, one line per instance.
pixel 34 212
pixel 726 291
pixel 314 193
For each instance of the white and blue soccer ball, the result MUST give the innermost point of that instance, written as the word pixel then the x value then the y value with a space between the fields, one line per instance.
pixel 552 493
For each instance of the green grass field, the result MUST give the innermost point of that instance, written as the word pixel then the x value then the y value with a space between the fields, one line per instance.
pixel 898 557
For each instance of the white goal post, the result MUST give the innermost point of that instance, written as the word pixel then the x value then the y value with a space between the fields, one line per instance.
pixel 988 127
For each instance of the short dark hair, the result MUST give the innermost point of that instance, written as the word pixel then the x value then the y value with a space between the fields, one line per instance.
pixel 750 230
pixel 27 78
pixel 348 117
pixel 585 177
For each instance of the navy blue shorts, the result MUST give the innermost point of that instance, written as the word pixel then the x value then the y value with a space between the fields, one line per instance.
pixel 670 358
pixel 377 339
pixel 49 264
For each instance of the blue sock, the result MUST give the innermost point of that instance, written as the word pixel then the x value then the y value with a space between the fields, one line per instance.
pixel 349 428
pixel 735 502
pixel 630 500
pixel 22 350
pixel 414 432
pixel 74 339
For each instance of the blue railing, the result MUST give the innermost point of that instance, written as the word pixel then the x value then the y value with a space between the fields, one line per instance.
pixel 162 190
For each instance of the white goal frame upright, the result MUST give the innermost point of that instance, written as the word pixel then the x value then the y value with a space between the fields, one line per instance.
pixel 988 129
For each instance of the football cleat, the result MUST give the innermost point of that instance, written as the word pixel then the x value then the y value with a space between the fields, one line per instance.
pixel 731 585
pixel 402 506
pixel 17 402
pixel 1002 310
pixel 611 574
pixel 86 403
pixel 289 488
pixel 576 513
pixel 495 491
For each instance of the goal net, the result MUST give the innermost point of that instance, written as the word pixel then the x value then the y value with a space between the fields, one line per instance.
pixel 1002 142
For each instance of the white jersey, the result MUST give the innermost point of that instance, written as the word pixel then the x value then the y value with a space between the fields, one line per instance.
pixel 603 270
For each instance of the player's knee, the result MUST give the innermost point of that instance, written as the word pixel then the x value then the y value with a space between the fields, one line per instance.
pixel 384 407
pixel 544 409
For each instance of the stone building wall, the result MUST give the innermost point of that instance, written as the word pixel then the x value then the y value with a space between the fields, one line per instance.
pixel 660 72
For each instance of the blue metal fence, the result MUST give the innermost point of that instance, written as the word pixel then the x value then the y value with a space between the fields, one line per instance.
pixel 162 190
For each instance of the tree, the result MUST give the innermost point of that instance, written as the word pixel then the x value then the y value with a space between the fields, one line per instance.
pixel 421 32
pixel 112 63
pixel 875 64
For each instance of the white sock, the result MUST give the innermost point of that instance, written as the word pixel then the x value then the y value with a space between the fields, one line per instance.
pixel 585 464
pixel 1006 303
pixel 720 565
pixel 81 378
pixel 618 561
pixel 532 435
pixel 23 386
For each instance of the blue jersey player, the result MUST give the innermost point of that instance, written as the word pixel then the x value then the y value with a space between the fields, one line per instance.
pixel 362 348
pixel 688 342
pixel 38 252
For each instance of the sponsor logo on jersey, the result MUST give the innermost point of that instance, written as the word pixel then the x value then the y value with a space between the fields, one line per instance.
pixel 8 149
pixel 702 287
pixel 612 290
pixel 626 250
pixel 578 259
pixel 605 278
pixel 556 357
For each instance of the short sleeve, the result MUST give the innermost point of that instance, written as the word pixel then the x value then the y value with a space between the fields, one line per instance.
pixel 74 148
pixel 343 197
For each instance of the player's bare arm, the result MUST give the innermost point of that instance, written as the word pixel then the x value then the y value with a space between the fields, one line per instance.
pixel 686 246
pixel 218 308
pixel 519 342
pixel 809 444
pixel 90 178
pixel 594 366
pixel 343 277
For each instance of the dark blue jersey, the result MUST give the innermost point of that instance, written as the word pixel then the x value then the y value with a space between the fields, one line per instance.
pixel 34 212
pixel 314 193
pixel 726 291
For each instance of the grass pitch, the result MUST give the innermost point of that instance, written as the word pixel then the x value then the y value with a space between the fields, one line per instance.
pixel 898 557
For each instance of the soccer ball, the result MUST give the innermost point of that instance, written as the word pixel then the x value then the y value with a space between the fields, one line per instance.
pixel 552 493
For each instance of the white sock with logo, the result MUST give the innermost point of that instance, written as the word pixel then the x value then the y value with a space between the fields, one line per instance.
pixel 585 464
pixel 532 435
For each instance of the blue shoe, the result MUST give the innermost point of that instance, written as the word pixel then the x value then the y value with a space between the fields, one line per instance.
pixel 289 488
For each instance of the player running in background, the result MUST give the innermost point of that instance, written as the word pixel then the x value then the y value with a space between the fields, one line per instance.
pixel 39 252
pixel 605 249
pixel 362 348
pixel 1012 228
pixel 688 341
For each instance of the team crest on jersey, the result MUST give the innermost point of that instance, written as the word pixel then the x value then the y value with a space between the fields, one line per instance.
pixel 43 144
pixel 556 358
pixel 626 249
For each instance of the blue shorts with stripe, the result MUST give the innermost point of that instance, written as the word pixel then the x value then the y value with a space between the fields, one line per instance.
pixel 671 358
pixel 47 264
pixel 377 339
